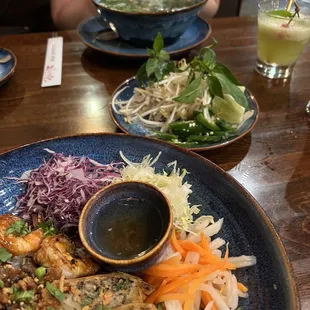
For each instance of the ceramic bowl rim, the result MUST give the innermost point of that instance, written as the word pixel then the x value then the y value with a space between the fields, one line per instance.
pixel 131 261
pixel 201 148
pixel 132 55
pixel 7 76
pixel 163 13
pixel 286 268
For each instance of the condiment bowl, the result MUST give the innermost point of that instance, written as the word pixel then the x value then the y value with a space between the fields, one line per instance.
pixel 141 28
pixel 126 226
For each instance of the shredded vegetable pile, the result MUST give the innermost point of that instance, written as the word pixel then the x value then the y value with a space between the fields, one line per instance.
pixel 154 105
pixel 60 187
pixel 171 185
pixel 194 274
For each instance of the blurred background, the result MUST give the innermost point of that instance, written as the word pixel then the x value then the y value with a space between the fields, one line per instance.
pixel 38 14
pixel 230 8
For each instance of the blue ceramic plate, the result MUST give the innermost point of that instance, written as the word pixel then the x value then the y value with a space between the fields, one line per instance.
pixel 196 34
pixel 7 69
pixel 139 129
pixel 246 227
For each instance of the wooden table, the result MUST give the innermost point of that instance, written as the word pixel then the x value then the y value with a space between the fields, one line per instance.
pixel 273 162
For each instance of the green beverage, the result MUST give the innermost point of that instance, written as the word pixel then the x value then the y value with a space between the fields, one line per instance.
pixel 280 39
pixel 279 44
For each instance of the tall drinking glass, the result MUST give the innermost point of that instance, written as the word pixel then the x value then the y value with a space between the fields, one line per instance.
pixel 280 39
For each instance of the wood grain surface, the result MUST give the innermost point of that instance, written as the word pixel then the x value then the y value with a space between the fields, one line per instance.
pixel 273 162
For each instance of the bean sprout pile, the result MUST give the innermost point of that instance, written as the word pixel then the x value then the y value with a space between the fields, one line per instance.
pixel 154 105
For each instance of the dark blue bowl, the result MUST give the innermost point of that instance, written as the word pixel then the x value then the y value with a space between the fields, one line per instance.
pixel 142 28
pixel 104 205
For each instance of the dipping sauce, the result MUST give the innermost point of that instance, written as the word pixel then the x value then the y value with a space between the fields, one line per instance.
pixel 148 6
pixel 127 228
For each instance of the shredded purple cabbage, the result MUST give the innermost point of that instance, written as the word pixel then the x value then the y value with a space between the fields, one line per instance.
pixel 60 187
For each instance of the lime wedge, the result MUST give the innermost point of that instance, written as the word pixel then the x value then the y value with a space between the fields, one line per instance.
pixel 227 109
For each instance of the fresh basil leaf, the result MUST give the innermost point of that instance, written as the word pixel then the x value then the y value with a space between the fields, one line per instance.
pixel 215 86
pixel 190 92
pixel 170 67
pixel 50 308
pixel 1 284
pixel 191 77
pixel 86 301
pixel 220 68
pixel 159 70
pixel 198 65
pixel 229 88
pixel 55 291
pixel 18 228
pixel 164 55
pixel 151 65
pixel 48 228
pixel 208 57
pixel 164 68
pixel 19 296
pixel 282 13
pixel 158 73
pixel 150 52
pixel 141 75
pixel 4 255
pixel 158 44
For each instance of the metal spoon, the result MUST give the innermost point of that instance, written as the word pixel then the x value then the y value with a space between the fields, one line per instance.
pixel 308 108
pixel 5 59
pixel 107 35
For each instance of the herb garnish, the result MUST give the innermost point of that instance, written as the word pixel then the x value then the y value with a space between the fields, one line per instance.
pixel 158 65
pixel 4 255
pixel 1 284
pixel 18 228
pixel 204 67
pixel 286 12
pixel 40 272
pixel 86 301
pixel 48 228
pixel 281 13
pixel 55 291
pixel 19 295
pixel 121 285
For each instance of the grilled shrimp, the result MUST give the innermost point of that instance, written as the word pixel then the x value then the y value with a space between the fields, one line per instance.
pixel 58 252
pixel 18 245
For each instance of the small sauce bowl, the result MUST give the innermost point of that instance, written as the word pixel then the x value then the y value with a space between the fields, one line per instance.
pixel 126 226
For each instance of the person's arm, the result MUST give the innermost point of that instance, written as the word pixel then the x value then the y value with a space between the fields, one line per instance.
pixel 67 14
pixel 210 9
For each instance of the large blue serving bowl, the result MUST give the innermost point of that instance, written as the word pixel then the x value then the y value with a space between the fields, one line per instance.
pixel 142 28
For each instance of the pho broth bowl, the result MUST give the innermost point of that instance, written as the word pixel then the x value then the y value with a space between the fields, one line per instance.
pixel 139 21
pixel 126 226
